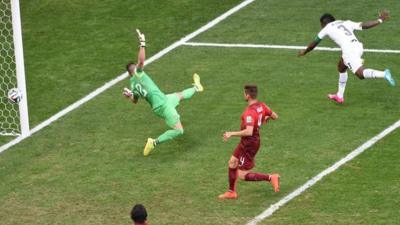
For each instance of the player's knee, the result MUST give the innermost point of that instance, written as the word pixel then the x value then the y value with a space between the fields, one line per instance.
pixel 233 163
pixel 180 95
pixel 341 69
pixel 180 131
pixel 242 174
pixel 360 73
pixel 360 76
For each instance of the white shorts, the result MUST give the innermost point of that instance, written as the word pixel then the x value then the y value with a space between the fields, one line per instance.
pixel 352 56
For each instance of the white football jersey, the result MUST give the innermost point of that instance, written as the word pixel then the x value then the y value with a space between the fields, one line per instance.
pixel 341 32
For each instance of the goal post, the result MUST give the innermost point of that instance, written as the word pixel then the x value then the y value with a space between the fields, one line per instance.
pixel 14 117
pixel 19 66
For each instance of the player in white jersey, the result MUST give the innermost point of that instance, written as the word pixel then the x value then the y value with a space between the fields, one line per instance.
pixel 341 32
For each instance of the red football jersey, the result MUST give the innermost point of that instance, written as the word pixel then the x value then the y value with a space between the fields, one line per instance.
pixel 254 115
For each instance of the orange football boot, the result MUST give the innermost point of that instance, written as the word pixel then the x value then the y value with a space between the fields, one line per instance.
pixel 275 181
pixel 228 195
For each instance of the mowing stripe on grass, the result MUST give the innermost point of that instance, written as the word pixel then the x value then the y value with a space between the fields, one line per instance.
pixel 274 207
pixel 125 75
pixel 222 45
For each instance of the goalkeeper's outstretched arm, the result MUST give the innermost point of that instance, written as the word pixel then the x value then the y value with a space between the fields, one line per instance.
pixel 142 50
pixel 141 57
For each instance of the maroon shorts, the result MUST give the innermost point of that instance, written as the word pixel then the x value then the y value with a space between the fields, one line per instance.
pixel 246 154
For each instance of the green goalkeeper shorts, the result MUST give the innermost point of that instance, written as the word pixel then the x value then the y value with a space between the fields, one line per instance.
pixel 168 110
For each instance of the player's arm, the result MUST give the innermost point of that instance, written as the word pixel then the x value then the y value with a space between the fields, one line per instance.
pixel 135 98
pixel 383 16
pixel 310 47
pixel 248 131
pixel 142 50
pixel 273 116
pixel 269 114
pixel 132 96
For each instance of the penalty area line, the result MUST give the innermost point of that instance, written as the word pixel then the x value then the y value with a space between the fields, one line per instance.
pixel 224 45
pixel 123 76
pixel 274 207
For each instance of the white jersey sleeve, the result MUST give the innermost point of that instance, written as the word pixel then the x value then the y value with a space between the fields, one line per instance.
pixel 323 33
pixel 353 25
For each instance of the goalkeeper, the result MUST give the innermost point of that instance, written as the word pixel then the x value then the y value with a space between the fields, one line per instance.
pixel 162 105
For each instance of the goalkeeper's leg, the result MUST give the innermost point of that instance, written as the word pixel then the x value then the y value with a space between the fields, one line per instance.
pixel 171 117
pixel 188 93
pixel 170 134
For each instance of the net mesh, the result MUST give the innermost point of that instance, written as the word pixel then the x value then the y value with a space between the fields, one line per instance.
pixel 9 115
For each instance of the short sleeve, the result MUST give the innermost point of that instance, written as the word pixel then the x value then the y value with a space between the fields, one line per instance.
pixel 268 111
pixel 354 25
pixel 323 33
pixel 249 119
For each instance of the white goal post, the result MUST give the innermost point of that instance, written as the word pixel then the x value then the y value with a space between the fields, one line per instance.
pixel 14 117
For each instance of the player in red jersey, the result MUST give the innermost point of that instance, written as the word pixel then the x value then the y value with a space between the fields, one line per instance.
pixel 242 160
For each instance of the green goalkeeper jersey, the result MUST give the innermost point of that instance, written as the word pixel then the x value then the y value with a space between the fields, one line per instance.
pixel 143 85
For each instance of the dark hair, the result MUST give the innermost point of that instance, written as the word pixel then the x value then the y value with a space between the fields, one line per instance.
pixel 327 18
pixel 251 89
pixel 139 213
pixel 129 65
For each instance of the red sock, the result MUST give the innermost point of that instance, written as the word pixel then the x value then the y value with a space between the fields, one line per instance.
pixel 257 177
pixel 233 174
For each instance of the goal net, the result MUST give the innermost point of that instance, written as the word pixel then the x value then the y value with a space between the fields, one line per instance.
pixel 13 116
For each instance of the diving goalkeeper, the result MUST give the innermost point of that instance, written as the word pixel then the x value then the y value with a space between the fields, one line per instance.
pixel 163 106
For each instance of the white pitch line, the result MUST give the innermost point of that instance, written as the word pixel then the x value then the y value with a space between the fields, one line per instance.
pixel 222 45
pixel 274 207
pixel 125 75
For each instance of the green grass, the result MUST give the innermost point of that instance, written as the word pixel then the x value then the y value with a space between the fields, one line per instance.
pixel 365 191
pixel 72 47
pixel 297 23
pixel 88 168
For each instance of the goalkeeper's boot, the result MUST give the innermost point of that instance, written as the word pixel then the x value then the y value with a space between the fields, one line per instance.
pixel 336 98
pixel 275 181
pixel 197 84
pixel 389 78
pixel 149 146
pixel 228 195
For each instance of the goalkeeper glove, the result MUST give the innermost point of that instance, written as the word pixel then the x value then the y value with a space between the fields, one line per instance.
pixel 142 39
pixel 127 93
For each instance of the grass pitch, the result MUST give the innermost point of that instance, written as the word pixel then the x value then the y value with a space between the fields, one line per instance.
pixel 88 168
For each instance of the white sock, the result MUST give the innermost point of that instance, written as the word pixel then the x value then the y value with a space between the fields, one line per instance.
pixel 370 73
pixel 342 84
